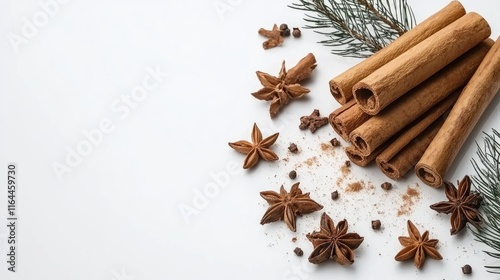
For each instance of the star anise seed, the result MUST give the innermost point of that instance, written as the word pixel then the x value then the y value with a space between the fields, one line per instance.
pixel 462 204
pixel 287 205
pixel 416 246
pixel 333 242
pixel 259 148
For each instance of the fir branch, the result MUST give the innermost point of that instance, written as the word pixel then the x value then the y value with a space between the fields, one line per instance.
pixel 487 182
pixel 357 28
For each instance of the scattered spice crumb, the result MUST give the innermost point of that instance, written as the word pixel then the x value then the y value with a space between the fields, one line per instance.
pixel 294 239
pixel 298 252
pixel 339 181
pixel 345 170
pixel 292 174
pixel 293 148
pixel 408 199
pixel 347 163
pixel 355 187
pixel 376 224
pixel 466 269
pixel 311 161
pixel 335 195
pixel 386 186
pixel 325 147
pixel 335 142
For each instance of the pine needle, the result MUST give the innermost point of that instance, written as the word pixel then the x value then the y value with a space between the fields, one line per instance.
pixel 357 28
pixel 487 182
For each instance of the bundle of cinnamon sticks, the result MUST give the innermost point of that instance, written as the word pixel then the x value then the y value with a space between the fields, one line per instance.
pixel 415 102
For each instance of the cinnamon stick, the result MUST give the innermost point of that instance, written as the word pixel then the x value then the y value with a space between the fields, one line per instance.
pixel 403 153
pixel 341 85
pixel 347 118
pixel 469 107
pixel 419 63
pixel 378 129
pixel 361 160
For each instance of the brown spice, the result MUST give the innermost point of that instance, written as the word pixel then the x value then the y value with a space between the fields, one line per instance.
pixel 274 37
pixel 335 195
pixel 325 147
pixel 409 198
pixel 293 148
pixel 283 26
pixel 298 252
pixel 311 161
pixel 355 187
pixel 296 32
pixel 386 186
pixel 466 269
pixel 347 163
pixel 313 121
pixel 376 224
pixel 292 174
pixel 345 170
pixel 294 239
pixel 335 142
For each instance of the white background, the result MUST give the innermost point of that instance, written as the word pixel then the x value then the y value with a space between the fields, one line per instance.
pixel 117 215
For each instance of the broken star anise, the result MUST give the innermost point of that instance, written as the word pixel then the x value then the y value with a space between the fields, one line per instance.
pixel 259 148
pixel 313 121
pixel 462 204
pixel 287 205
pixel 333 242
pixel 280 90
pixel 274 37
pixel 416 246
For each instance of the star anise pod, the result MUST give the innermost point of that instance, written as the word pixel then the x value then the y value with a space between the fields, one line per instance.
pixel 333 242
pixel 280 90
pixel 287 205
pixel 462 204
pixel 274 37
pixel 416 246
pixel 259 148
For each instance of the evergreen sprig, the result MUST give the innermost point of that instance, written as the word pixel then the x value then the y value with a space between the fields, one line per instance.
pixel 357 28
pixel 487 182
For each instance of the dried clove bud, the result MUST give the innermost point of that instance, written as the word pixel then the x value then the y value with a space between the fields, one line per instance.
pixel 335 142
pixel 335 195
pixel 283 26
pixel 298 252
pixel 376 224
pixel 466 269
pixel 386 186
pixel 293 148
pixel 296 32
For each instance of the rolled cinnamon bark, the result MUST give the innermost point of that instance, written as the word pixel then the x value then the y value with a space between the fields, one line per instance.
pixel 404 152
pixel 341 85
pixel 469 107
pixel 397 159
pixel 379 128
pixel 419 63
pixel 347 118
pixel 361 160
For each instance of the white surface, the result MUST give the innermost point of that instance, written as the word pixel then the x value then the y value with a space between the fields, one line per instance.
pixel 116 215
